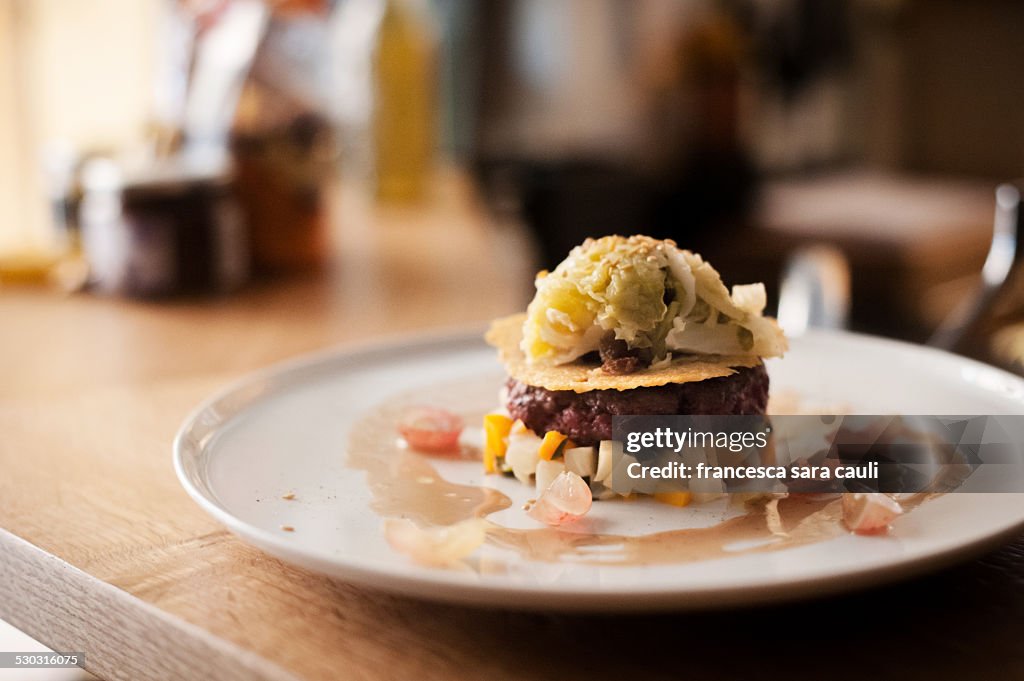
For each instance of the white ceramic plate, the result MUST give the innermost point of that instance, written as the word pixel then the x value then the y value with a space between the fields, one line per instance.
pixel 285 430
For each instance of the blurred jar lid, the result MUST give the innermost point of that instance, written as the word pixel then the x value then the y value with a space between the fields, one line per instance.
pixel 170 176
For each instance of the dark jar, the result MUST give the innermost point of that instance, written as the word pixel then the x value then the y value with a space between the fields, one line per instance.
pixel 171 228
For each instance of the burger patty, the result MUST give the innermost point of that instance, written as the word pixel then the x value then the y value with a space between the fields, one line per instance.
pixel 586 418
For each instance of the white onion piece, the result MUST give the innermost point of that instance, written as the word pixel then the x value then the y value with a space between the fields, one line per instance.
pixel 605 453
pixel 546 473
pixel 522 455
pixel 581 460
pixel 435 545
pixel 869 513
pixel 566 499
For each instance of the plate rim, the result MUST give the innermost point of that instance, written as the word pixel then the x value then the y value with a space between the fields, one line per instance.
pixel 489 590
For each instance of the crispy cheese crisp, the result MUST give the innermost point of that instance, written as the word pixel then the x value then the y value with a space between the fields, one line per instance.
pixel 506 335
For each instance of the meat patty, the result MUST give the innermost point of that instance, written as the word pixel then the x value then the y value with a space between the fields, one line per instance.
pixel 587 417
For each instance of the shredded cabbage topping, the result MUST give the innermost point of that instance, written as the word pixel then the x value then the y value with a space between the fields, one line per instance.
pixel 650 294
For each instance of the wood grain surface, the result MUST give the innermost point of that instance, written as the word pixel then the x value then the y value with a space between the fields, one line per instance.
pixel 101 550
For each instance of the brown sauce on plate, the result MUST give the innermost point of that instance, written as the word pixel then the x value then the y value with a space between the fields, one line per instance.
pixel 406 484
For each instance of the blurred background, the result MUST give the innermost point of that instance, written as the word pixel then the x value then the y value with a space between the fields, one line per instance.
pixel 846 153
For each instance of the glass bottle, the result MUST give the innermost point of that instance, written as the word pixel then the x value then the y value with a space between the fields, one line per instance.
pixel 283 141
pixel 405 84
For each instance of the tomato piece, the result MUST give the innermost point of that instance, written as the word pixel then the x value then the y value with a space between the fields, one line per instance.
pixel 431 429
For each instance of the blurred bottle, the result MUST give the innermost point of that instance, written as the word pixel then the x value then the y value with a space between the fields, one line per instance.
pixel 600 117
pixel 704 171
pixel 44 248
pixel 992 328
pixel 28 257
pixel 283 142
pixel 405 89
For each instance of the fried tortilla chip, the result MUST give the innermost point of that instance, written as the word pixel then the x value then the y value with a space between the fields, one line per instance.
pixel 506 333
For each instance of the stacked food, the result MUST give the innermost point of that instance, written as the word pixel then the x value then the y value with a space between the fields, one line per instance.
pixel 623 326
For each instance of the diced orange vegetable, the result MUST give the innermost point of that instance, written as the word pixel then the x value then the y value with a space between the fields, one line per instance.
pixel 679 499
pixel 500 424
pixel 496 429
pixel 551 443
pixel 490 460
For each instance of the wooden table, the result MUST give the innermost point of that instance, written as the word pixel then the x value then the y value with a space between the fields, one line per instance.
pixel 101 550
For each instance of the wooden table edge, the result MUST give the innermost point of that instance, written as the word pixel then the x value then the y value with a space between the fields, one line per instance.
pixel 122 636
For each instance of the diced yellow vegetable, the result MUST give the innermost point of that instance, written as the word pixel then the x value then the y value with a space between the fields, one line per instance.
pixel 490 460
pixel 519 428
pixel 499 424
pixel 679 499
pixel 550 444
pixel 496 429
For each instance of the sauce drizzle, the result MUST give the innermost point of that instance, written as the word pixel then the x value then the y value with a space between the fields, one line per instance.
pixel 406 484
